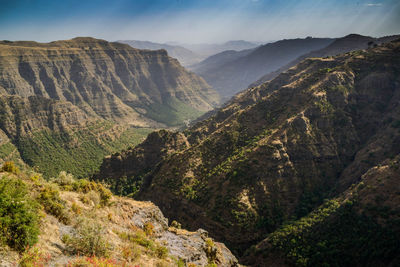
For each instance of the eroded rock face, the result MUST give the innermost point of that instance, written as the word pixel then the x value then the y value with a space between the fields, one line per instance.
pixel 191 247
pixel 112 80
pixel 277 150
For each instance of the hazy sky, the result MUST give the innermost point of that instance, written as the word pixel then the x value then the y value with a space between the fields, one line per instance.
pixel 195 21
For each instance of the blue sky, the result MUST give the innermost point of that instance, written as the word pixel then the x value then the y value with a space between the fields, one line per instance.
pixel 195 21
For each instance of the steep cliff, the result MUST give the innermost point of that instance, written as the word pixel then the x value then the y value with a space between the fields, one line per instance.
pixel 276 151
pixel 64 105
pixel 112 80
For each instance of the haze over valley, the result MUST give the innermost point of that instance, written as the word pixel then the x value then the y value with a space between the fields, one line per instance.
pixel 199 133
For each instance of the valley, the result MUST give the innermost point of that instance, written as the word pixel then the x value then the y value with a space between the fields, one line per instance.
pixel 275 153
pixel 200 151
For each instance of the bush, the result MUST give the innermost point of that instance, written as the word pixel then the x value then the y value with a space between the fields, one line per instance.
pixel 50 199
pixel 88 239
pixel 9 166
pixel 94 261
pixel 148 228
pixel 19 223
pixel 34 257
pixel 65 180
pixel 85 186
pixel 131 252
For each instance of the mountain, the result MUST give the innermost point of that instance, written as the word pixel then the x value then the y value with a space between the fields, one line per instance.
pixel 230 76
pixel 212 49
pixel 113 80
pixel 73 102
pixel 342 45
pixel 71 222
pixel 185 56
pixel 218 60
pixel 306 164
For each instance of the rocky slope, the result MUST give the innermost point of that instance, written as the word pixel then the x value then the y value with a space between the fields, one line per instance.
pixel 363 221
pixel 342 45
pixel 64 105
pixel 112 80
pixel 229 77
pixel 185 56
pixel 81 224
pixel 276 151
pixel 55 135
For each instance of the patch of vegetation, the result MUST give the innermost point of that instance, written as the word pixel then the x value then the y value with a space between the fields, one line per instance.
pixel 67 182
pixel 34 257
pixel 172 112
pixel 87 239
pixel 19 222
pixel 94 261
pixel 6 150
pixel 49 197
pixel 150 247
pixel 79 152
pixel 336 235
pixel 10 167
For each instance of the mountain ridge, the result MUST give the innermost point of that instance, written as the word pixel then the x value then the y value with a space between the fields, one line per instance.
pixel 275 151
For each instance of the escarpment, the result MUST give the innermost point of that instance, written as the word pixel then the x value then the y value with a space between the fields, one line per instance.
pixel 113 80
pixel 276 151
pixel 90 97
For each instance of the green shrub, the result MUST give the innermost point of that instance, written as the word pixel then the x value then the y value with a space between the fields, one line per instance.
pixel 65 180
pixel 88 239
pixel 85 186
pixel 9 166
pixel 34 257
pixel 148 228
pixel 50 199
pixel 18 215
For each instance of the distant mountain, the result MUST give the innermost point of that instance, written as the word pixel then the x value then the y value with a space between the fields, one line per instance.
pixel 345 44
pixel 307 163
pixel 66 104
pixel 231 72
pixel 212 49
pixel 218 60
pixel 185 56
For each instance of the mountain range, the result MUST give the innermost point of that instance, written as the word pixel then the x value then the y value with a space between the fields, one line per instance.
pixel 301 170
pixel 230 72
pixel 212 49
pixel 89 96
pixel 185 56
pixel 345 44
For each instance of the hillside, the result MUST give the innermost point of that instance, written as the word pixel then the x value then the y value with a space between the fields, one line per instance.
pixel 207 50
pixel 71 222
pixel 231 76
pixel 185 56
pixel 64 105
pixel 218 60
pixel 342 45
pixel 55 135
pixel 112 80
pixel 276 153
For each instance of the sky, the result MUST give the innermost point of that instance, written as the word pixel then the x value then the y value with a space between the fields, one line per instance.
pixel 195 21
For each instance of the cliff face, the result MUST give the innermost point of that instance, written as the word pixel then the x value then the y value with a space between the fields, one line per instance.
pixel 112 80
pixel 276 151
pixel 73 102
